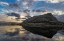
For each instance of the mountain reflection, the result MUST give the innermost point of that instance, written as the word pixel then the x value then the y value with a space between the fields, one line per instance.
pixel 24 35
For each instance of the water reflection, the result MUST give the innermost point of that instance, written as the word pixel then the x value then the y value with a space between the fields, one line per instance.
pixel 3 29
pixel 25 35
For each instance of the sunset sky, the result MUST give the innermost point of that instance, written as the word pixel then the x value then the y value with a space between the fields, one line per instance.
pixel 17 6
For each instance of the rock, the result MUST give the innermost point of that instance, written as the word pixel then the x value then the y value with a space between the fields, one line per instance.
pixel 41 18
pixel 46 25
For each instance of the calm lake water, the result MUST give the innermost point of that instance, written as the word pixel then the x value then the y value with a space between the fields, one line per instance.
pixel 3 29
pixel 25 35
pixel 22 36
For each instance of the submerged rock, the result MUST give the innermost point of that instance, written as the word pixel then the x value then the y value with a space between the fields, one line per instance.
pixel 46 25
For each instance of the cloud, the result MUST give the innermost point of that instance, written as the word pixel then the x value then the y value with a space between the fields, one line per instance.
pixel 6 18
pixel 56 9
pixel 18 0
pixel 13 14
pixel 4 3
pixel 54 1
pixel 25 3
pixel 23 14
pixel 59 12
pixel 11 10
pixel 5 11
pixel 56 12
pixel 51 1
pixel 28 3
pixel 14 5
pixel 3 17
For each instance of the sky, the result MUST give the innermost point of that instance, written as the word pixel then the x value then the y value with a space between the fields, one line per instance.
pixel 54 6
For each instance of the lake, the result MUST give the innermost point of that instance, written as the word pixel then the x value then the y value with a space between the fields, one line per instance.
pixel 25 35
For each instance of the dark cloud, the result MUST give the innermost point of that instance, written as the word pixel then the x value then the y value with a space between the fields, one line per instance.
pixel 37 10
pixel 26 11
pixel 14 5
pixel 13 14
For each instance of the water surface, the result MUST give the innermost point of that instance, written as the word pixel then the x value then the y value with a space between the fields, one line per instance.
pixel 25 35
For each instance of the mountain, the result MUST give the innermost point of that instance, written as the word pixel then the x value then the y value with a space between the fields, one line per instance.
pixel 41 18
pixel 46 25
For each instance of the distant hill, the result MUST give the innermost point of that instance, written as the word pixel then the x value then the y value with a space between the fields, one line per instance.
pixel 61 17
